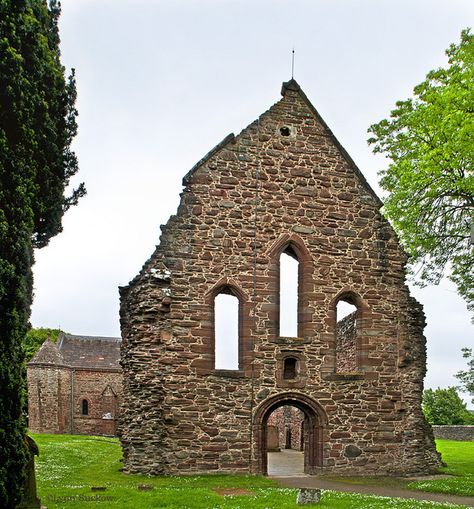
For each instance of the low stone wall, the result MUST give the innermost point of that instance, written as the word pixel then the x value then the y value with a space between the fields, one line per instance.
pixel 465 433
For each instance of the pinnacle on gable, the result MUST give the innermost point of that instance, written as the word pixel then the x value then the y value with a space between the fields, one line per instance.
pixel 289 85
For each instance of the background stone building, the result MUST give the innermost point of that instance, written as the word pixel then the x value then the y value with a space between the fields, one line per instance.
pixel 284 188
pixel 285 429
pixel 75 386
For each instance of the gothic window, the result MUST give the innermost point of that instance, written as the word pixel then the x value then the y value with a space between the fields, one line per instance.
pixel 346 334
pixel 85 407
pixel 226 330
pixel 289 268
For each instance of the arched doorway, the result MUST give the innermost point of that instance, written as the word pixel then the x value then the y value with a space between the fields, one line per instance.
pixel 315 421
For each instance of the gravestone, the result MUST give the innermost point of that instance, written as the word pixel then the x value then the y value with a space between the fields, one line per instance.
pixel 308 496
pixel 30 498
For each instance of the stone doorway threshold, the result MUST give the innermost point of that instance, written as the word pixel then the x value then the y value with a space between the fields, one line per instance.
pixel 286 463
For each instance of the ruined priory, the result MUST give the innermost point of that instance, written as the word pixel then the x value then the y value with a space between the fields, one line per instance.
pixel 283 187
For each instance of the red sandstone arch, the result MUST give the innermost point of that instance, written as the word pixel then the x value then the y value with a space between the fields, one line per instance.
pixel 305 283
pixel 314 425
pixel 229 286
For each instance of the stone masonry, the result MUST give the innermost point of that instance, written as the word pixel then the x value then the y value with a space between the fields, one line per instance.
pixel 283 185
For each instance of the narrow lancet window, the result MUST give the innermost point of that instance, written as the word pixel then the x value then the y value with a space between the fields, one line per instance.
pixel 226 331
pixel 288 294
pixel 346 336
pixel 85 407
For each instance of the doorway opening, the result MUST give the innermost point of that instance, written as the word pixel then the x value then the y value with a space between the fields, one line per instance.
pixel 285 441
pixel 289 431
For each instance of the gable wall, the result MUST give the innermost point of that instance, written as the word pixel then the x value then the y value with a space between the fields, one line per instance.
pixel 180 415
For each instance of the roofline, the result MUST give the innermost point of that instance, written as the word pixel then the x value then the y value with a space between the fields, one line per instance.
pixel 79 337
pixel 187 178
pixel 74 368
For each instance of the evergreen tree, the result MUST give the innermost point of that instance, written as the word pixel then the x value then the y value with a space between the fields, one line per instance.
pixel 37 125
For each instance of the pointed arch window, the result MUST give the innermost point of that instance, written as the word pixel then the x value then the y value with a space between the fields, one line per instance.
pixel 347 317
pixel 289 272
pixel 226 330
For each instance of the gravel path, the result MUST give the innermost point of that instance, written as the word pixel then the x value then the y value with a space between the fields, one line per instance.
pixel 315 482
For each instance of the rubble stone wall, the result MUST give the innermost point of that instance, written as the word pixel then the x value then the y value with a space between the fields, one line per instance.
pixel 463 433
pixel 283 181
pixel 346 346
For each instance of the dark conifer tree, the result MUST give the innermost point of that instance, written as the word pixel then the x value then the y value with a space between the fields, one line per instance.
pixel 37 125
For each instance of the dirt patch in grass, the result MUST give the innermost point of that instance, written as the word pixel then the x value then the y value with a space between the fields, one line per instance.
pixel 434 477
pixel 225 492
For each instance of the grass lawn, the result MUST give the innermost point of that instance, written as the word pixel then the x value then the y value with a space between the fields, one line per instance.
pixel 70 465
pixel 459 456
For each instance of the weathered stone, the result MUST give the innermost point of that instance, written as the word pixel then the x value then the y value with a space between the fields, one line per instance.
pixel 352 451
pixel 303 229
pixel 308 496
pixel 313 203
pixel 30 498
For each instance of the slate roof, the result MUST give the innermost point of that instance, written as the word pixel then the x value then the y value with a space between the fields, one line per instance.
pixel 80 352
pixel 48 354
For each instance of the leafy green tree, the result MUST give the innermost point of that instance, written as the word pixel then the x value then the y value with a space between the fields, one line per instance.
pixel 444 406
pixel 430 179
pixel 37 125
pixel 467 377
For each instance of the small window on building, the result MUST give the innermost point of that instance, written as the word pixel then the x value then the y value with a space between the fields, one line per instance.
pixel 346 335
pixel 289 267
pixel 226 331
pixel 289 368
pixel 85 407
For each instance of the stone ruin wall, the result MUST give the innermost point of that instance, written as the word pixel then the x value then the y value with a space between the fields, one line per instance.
pixel 288 418
pixel 180 414
pixel 346 344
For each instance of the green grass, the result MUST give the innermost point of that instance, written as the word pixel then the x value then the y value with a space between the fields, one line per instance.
pixel 459 457
pixel 69 465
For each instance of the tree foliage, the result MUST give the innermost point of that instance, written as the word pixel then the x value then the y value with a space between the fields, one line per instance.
pixel 430 179
pixel 37 125
pixel 444 407
pixel 467 377
pixel 35 338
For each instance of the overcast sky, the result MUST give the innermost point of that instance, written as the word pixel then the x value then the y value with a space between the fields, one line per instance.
pixel 161 82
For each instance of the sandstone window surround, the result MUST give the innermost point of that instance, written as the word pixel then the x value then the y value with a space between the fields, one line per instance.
pixel 206 364
pixel 291 369
pixel 294 246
